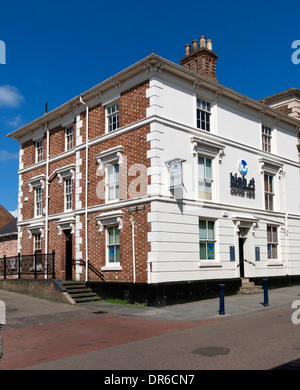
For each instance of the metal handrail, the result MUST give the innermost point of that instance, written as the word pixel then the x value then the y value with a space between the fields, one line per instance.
pixel 90 266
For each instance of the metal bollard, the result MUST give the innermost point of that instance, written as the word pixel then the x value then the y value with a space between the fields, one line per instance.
pixel 222 301
pixel 266 295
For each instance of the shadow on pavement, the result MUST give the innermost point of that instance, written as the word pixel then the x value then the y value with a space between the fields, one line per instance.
pixel 292 365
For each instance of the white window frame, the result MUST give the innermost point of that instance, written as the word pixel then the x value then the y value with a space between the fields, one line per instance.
pixel 68 193
pixel 105 221
pixel 39 150
pixel 112 112
pixel 206 109
pixel 69 138
pixel 104 159
pixel 274 169
pixel 115 244
pixel 272 243
pixel 205 179
pixel 115 183
pixel 269 193
pixel 38 204
pixel 266 136
pixel 37 242
pixel 208 240
pixel 207 149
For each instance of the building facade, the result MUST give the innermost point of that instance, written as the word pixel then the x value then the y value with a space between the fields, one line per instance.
pixel 9 239
pixel 160 179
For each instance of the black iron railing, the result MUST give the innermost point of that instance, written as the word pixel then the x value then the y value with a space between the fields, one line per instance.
pixel 29 266
pixel 90 267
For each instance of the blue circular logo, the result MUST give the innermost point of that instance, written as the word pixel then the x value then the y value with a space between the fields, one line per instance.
pixel 243 167
pixel 175 168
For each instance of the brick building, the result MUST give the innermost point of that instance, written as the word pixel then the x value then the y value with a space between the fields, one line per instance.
pixel 143 178
pixel 9 239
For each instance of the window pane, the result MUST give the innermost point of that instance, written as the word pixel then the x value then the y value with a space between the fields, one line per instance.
pixel 202 230
pixel 208 190
pixel 269 234
pixel 201 166
pixel 270 183
pixel 117 255
pixel 274 235
pixel 110 232
pixel 208 169
pixel 116 169
pixel 210 225
pixel 117 235
pixel 111 254
pixel 270 203
pixel 202 250
pixel 110 173
pixel 266 183
pixel 210 250
pixel 111 192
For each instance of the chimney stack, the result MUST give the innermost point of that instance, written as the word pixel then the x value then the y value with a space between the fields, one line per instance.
pixel 201 59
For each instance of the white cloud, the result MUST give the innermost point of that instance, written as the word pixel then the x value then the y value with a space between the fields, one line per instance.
pixel 14 122
pixel 14 213
pixel 10 96
pixel 5 155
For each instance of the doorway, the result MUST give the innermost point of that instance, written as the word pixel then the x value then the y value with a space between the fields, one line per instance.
pixel 68 254
pixel 241 256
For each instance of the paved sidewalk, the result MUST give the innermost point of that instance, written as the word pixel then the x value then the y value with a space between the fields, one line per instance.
pixel 99 335
pixel 239 304
pixel 23 306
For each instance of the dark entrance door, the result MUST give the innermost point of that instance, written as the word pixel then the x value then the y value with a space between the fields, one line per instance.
pixel 68 254
pixel 241 252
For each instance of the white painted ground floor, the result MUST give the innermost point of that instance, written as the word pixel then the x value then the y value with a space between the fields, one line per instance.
pixel 198 241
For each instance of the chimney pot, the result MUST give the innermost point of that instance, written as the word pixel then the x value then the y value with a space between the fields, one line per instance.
pixel 209 44
pixel 187 49
pixel 195 44
pixel 202 61
pixel 202 41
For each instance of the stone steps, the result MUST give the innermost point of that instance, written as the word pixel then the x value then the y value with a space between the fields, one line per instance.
pixel 79 292
pixel 248 287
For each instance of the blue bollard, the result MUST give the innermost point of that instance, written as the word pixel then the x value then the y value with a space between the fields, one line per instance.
pixel 222 302
pixel 266 295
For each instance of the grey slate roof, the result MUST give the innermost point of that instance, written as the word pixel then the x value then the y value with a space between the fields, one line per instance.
pixel 10 228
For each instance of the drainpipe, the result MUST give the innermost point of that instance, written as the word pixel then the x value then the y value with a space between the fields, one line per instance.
pixel 47 192
pixel 286 232
pixel 133 248
pixel 86 187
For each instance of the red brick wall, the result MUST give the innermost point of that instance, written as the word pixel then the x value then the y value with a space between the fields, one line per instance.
pixel 97 247
pixel 8 246
pixel 132 105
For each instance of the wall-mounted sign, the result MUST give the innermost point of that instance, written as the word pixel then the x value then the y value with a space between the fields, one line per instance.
pixel 243 167
pixel 240 186
pixel 176 180
pixel 175 170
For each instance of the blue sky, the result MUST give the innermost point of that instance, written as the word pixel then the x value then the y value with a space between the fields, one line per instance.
pixel 59 49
